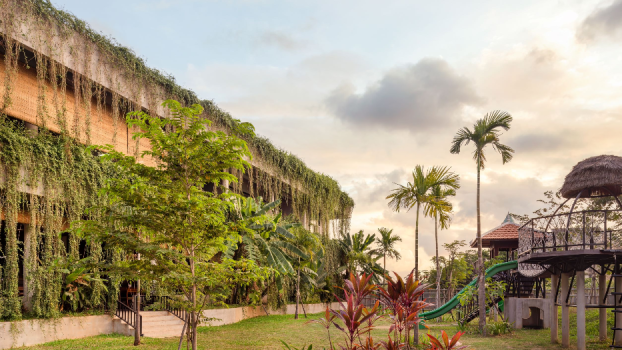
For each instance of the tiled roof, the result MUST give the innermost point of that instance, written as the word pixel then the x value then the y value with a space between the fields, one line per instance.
pixel 505 231
pixel 508 230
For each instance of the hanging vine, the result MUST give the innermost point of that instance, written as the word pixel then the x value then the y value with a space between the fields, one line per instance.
pixel 49 175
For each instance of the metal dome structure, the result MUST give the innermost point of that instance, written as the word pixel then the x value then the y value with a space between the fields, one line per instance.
pixel 594 184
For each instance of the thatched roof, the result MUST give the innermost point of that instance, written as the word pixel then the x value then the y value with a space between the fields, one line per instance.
pixel 600 175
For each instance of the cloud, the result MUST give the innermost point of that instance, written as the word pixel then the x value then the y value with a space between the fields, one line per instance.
pixel 536 142
pixel 604 21
pixel 427 95
pixel 281 40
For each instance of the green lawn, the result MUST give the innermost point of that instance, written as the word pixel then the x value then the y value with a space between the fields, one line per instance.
pixel 266 333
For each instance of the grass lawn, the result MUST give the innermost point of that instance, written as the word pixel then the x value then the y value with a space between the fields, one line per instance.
pixel 266 333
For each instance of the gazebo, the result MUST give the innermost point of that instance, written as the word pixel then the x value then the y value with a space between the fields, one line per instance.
pixel 501 238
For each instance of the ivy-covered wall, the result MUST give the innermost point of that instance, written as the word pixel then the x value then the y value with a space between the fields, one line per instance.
pixel 77 85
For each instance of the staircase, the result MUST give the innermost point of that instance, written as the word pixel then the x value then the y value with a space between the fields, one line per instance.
pixel 470 311
pixel 161 324
pixel 155 324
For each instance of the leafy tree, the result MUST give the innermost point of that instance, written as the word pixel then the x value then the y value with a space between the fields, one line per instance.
pixel 163 214
pixel 386 246
pixel 309 244
pixel 486 131
pixel 440 209
pixel 417 193
pixel 453 266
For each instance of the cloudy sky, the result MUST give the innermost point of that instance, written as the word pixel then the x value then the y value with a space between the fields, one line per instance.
pixel 365 90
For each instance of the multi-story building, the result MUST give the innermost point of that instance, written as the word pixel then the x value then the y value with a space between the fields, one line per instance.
pixel 69 86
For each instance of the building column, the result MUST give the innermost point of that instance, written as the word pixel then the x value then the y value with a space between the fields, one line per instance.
pixel 554 321
pixel 28 250
pixel 225 184
pixel 565 311
pixel 602 312
pixel 580 310
pixel 618 334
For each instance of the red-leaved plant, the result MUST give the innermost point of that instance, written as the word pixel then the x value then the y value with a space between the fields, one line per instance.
pixel 402 303
pixel 447 344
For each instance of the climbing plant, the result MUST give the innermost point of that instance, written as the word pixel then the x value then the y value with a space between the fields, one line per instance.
pixel 54 180
pixel 84 80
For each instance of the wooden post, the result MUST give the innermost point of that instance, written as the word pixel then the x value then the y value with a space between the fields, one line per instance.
pixel 565 311
pixel 581 310
pixel 602 312
pixel 554 310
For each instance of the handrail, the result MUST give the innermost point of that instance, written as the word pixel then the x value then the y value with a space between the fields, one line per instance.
pixel 166 303
pixel 128 315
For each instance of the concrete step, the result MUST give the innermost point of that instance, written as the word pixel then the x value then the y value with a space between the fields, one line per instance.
pixel 154 313
pixel 160 318
pixel 162 331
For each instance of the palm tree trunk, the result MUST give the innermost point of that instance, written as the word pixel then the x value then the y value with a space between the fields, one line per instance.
pixel 384 267
pixel 438 271
pixel 416 327
pixel 480 259
pixel 417 244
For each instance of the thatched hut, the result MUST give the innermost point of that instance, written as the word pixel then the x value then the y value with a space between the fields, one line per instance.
pixel 593 177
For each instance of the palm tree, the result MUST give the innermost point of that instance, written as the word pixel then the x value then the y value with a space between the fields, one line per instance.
pixel 417 193
pixel 486 131
pixel 440 209
pixel 358 253
pixel 386 246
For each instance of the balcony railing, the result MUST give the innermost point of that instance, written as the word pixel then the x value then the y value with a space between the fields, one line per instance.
pixel 588 229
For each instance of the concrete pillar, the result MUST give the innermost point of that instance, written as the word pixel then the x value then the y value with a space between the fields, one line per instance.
pixel 602 313
pixel 554 321
pixel 225 184
pixel 565 311
pixel 618 334
pixel 580 310
pixel 28 250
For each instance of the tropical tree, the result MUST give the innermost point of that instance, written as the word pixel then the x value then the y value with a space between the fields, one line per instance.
pixel 309 245
pixel 486 131
pixel 386 246
pixel 440 209
pixel 359 254
pixel 163 214
pixel 417 193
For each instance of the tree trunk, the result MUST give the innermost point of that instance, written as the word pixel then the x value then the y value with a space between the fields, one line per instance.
pixel 137 329
pixel 384 267
pixel 297 292
pixel 438 271
pixel 417 245
pixel 416 327
pixel 480 259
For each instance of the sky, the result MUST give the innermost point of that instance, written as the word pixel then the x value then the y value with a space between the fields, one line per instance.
pixel 366 90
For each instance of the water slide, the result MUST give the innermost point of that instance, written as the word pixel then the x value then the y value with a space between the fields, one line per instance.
pixel 453 302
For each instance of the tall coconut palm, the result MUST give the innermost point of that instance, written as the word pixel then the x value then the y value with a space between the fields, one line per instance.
pixel 417 192
pixel 486 131
pixel 386 246
pixel 440 209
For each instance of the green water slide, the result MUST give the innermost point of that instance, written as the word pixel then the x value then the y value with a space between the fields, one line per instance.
pixel 453 302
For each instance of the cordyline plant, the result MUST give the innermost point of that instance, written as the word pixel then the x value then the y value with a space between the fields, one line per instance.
pixel 446 344
pixel 403 300
pixel 402 303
